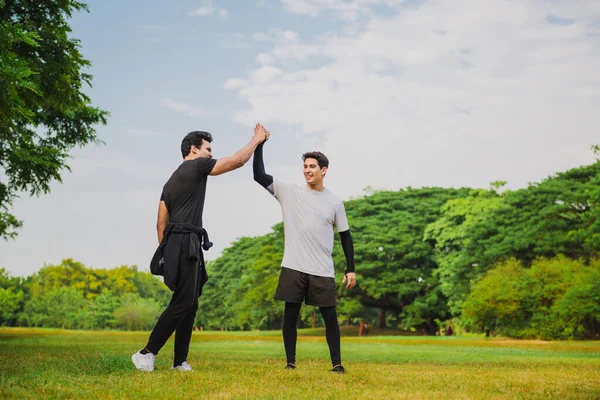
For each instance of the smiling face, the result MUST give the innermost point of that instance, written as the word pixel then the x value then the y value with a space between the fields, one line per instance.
pixel 313 174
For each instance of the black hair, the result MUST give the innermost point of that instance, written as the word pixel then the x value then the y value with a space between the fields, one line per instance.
pixel 194 139
pixel 317 155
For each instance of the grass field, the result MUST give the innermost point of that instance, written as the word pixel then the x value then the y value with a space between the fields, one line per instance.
pixel 42 363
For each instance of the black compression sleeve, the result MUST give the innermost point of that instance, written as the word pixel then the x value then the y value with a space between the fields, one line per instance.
pixel 258 167
pixel 348 246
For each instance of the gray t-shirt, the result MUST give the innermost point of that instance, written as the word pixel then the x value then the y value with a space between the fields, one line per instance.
pixel 308 219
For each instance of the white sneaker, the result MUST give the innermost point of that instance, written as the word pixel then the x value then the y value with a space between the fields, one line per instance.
pixel 143 362
pixel 183 367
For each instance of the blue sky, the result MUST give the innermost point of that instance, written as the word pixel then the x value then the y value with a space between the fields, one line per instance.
pixel 396 93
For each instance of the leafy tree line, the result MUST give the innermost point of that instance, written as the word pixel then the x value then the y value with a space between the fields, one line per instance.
pixel 72 296
pixel 556 298
pixel 520 263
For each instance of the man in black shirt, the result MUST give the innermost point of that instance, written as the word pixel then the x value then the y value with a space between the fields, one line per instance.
pixel 181 236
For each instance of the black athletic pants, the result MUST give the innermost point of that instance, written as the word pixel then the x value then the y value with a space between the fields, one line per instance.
pixel 290 333
pixel 179 315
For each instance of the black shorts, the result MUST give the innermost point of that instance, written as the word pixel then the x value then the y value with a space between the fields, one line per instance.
pixel 295 287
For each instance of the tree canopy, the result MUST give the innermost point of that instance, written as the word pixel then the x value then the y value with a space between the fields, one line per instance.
pixel 44 111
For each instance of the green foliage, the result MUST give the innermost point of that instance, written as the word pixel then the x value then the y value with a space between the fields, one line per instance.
pixel 496 300
pixel 241 285
pixel 102 311
pixel 396 267
pixel 44 112
pixel 57 308
pixel 4 278
pixel 560 215
pixel 149 287
pixel 136 313
pixel 555 298
pixel 90 282
pixel 579 308
pixel 70 295
pixel 453 233
pixel 10 303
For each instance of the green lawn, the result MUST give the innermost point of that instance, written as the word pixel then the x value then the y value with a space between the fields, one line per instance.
pixel 38 363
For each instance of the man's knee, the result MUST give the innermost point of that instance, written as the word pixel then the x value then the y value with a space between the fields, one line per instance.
pixel 190 304
pixel 292 310
pixel 329 313
pixel 185 305
pixel 194 307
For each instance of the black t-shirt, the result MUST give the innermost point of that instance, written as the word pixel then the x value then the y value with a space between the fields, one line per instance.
pixel 184 192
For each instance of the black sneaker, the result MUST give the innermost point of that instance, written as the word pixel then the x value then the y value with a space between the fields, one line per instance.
pixel 339 369
pixel 290 366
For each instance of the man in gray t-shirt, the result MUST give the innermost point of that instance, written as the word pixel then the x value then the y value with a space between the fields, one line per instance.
pixel 310 212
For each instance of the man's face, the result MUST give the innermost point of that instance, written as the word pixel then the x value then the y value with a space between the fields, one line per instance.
pixel 312 173
pixel 204 151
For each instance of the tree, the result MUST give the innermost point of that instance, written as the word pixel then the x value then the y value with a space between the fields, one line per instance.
pixel 10 303
pixel 547 281
pixel 89 281
pixel 219 293
pixel 151 287
pixel 136 313
pixel 553 298
pixel 395 264
pixel 102 309
pixel 256 307
pixel 497 299
pixel 58 308
pixel 560 215
pixel 242 282
pixel 579 308
pixel 44 112
pixel 5 280
pixel 452 234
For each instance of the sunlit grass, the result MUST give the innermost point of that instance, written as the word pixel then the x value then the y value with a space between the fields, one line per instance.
pixel 38 363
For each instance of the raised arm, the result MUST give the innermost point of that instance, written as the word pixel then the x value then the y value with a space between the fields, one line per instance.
pixel 241 157
pixel 258 166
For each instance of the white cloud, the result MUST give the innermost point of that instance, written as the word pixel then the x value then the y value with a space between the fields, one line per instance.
pixel 264 59
pixel 184 108
pixel 203 11
pixel 276 35
pixel 288 47
pixel 446 93
pixel 344 9
pixel 265 74
pixel 208 9
pixel 233 84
